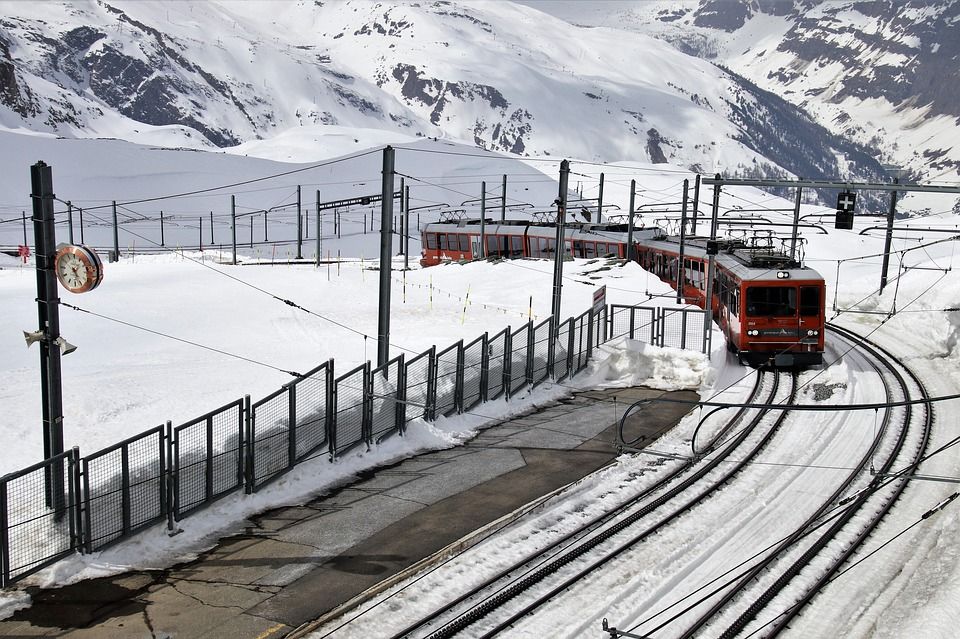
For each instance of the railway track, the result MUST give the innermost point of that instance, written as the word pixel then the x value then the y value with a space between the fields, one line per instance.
pixel 491 607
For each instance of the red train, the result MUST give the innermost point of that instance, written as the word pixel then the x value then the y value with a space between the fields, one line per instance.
pixel 769 307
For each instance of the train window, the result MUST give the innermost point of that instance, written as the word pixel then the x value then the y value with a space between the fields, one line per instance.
pixel 431 241
pixel 591 249
pixel 771 301
pixel 442 237
pixel 464 243
pixel 734 306
pixel 809 301
pixel 516 243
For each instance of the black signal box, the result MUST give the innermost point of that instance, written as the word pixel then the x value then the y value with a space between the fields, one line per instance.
pixel 844 221
pixel 713 247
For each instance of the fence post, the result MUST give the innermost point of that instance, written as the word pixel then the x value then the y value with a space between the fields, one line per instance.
pixel 590 333
pixel 528 367
pixel 329 422
pixel 570 335
pixel 366 427
pixel 76 525
pixel 551 344
pixel 248 474
pixel 87 528
pixel 292 425
pixel 507 361
pixel 485 367
pixel 401 401
pixel 430 410
pixel 125 488
pixel 4 537
pixel 458 379
pixel 332 409
pixel 171 477
pixel 683 329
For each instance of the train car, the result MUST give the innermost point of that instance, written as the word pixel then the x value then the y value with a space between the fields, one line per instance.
pixel 769 307
pixel 459 240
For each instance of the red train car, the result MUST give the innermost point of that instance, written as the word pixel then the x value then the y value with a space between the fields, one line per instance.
pixel 769 307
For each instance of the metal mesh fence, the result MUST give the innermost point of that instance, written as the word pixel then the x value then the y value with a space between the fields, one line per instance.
pixel 449 378
pixel 519 355
pixel 124 488
pixel 660 326
pixel 270 437
pixel 38 528
pixel 387 390
pixel 351 409
pixel 311 396
pixel 496 352
pixel 207 457
pixel 599 332
pixel 541 350
pixel 418 383
pixel 474 372
pixel 561 360
pixel 683 328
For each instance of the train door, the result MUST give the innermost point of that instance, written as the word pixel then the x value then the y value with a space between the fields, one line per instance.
pixel 475 247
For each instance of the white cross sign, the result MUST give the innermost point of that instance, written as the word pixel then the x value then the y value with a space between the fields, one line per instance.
pixel 846 201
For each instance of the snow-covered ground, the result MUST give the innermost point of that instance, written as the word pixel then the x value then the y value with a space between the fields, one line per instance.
pixel 122 380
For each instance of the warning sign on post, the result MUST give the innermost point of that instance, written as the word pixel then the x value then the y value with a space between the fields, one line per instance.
pixel 599 299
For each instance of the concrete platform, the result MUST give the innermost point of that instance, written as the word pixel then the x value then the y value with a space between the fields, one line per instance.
pixel 297 564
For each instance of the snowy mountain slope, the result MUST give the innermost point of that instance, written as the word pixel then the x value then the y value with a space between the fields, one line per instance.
pixel 497 75
pixel 882 73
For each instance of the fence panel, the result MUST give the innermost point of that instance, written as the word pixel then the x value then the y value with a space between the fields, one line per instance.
pixel 207 457
pixel 561 359
pixel 496 355
pixel 270 437
pixel 312 410
pixel 474 371
pixel 37 529
pixel 519 358
pixel 449 379
pixel 350 423
pixel 599 326
pixel 683 328
pixel 636 322
pixel 542 335
pixel 419 377
pixel 386 392
pixel 124 488
pixel 581 342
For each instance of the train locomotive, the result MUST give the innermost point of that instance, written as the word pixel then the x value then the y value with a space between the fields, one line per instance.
pixel 769 306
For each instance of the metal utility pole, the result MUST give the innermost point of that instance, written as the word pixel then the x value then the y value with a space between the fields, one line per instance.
pixel 696 204
pixel 386 243
pixel 212 240
pixel 630 249
pixel 796 222
pixel 889 239
pixel 503 200
pixel 70 220
pixel 712 263
pixel 299 227
pixel 483 220
pixel 233 226
pixel 682 272
pixel 600 200
pixel 161 229
pixel 48 312
pixel 406 228
pixel 561 203
pixel 319 230
pixel 23 218
pixel 201 234
pixel 116 235
pixel 403 226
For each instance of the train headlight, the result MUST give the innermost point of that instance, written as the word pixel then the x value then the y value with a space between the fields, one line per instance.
pixel 812 332
pixel 783 275
pixel 753 332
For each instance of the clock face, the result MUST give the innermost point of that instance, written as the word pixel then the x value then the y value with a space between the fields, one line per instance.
pixel 78 268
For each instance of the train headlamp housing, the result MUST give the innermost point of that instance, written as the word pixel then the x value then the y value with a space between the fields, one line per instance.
pixel 753 332
pixel 783 275
pixel 813 332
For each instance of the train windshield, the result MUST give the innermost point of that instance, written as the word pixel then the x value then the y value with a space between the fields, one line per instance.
pixel 772 301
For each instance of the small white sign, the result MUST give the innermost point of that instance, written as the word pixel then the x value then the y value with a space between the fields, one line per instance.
pixel 599 298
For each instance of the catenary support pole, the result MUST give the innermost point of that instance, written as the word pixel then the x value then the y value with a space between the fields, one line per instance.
pixel 406 228
pixel 888 241
pixel 201 234
pixel 561 203
pixel 161 229
pixel 631 250
pixel 233 227
pixel 503 199
pixel 212 240
pixel 483 220
pixel 681 271
pixel 796 222
pixel 386 244
pixel 299 226
pixel 696 204
pixel 319 230
pixel 48 312
pixel 711 264
pixel 116 235
pixel 70 220
pixel 23 218
pixel 600 201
